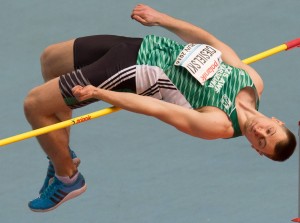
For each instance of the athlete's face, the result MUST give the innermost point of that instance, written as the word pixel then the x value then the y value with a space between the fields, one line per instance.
pixel 264 133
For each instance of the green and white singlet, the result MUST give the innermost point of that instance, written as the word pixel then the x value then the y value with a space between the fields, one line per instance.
pixel 158 55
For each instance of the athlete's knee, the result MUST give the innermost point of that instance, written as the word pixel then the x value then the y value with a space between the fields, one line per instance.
pixel 31 103
pixel 57 59
pixel 47 59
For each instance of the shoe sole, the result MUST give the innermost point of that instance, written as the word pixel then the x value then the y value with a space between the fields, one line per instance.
pixel 70 196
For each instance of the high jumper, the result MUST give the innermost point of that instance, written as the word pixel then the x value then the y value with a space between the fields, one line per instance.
pixel 202 89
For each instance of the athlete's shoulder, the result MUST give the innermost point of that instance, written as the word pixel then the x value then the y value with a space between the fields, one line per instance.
pixel 256 78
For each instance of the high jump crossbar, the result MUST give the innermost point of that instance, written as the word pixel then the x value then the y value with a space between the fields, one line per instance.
pixel 64 124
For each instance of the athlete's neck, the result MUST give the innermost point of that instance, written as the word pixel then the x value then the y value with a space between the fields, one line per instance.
pixel 246 106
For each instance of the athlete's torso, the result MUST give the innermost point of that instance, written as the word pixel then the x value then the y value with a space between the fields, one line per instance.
pixel 218 92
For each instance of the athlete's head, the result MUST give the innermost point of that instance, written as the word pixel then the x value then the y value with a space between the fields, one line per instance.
pixel 270 137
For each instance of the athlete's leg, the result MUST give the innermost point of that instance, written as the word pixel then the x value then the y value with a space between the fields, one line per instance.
pixel 64 57
pixel 44 103
pixel 41 107
pixel 56 60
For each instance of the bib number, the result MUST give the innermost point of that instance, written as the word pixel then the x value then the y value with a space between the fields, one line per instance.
pixel 202 61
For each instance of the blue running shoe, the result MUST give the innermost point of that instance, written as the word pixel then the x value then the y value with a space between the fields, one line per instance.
pixel 51 171
pixel 57 193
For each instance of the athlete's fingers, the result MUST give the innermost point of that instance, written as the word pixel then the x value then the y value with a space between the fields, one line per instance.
pixel 76 89
pixel 84 93
pixel 140 20
pixel 137 9
pixel 137 12
pixel 77 92
pixel 140 7
pixel 147 19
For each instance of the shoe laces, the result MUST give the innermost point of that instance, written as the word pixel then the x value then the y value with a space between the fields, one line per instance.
pixel 49 191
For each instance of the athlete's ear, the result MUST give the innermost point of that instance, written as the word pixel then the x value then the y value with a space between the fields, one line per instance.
pixel 278 121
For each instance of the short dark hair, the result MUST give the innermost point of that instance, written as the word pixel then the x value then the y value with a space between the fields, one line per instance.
pixel 285 148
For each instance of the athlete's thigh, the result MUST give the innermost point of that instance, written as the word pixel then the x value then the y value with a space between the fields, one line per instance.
pixel 90 49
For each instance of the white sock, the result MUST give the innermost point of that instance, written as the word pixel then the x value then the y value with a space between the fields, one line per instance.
pixel 67 179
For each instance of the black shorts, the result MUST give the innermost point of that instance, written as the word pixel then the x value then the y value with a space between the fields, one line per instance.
pixel 103 61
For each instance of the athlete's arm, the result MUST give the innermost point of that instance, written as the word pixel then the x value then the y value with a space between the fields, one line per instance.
pixel 193 34
pixel 185 30
pixel 202 125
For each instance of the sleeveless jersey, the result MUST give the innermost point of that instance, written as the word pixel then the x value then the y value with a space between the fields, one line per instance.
pixel 220 91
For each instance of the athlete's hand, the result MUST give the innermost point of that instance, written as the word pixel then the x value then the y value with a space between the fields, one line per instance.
pixel 146 15
pixel 84 93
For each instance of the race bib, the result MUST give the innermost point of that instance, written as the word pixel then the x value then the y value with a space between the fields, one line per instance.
pixel 202 61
